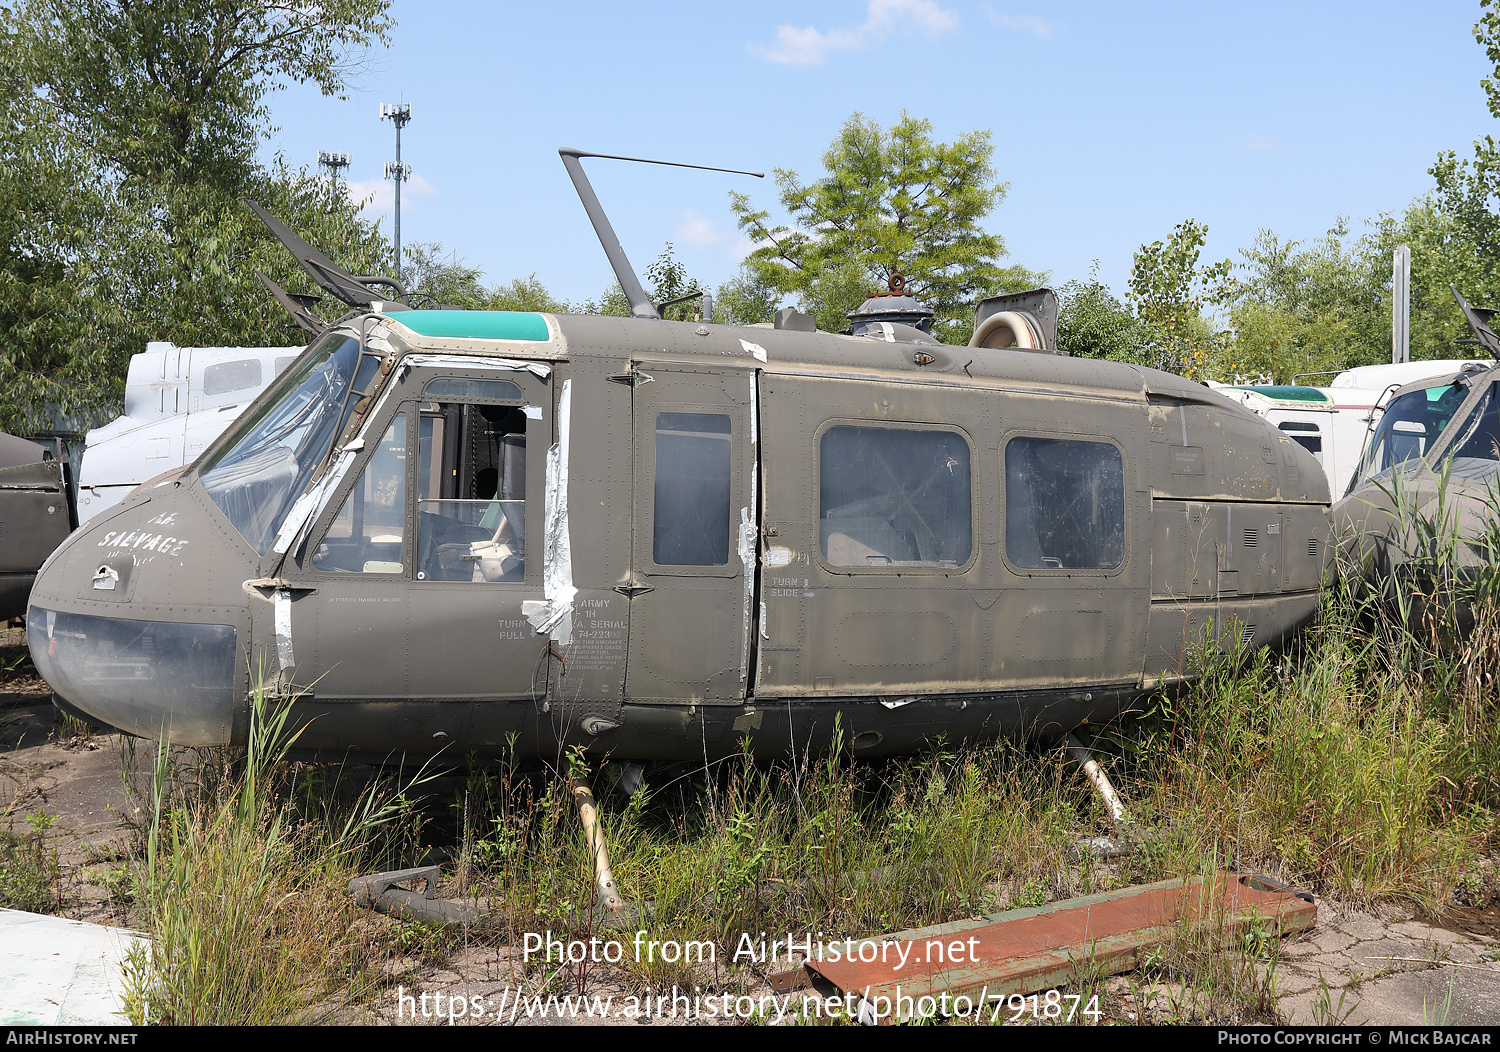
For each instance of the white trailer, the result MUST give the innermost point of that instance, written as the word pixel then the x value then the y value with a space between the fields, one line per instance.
pixel 1334 422
pixel 177 401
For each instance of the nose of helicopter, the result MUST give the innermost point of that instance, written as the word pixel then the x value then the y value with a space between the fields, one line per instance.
pixel 138 619
pixel 151 678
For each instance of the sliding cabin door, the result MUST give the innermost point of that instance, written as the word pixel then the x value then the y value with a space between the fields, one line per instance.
pixel 695 524
pixel 873 575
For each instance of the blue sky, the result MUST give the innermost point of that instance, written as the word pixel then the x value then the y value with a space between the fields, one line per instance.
pixel 1111 122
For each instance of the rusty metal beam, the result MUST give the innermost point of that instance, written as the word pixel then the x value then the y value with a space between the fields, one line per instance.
pixel 1028 950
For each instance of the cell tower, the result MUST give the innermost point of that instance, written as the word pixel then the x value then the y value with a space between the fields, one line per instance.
pixel 336 163
pixel 398 115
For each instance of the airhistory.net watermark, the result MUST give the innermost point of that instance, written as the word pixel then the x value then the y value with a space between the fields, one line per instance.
pixel 512 1004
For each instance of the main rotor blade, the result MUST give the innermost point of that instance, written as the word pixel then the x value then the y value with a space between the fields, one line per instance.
pixel 340 283
pixel 1477 318
pixel 301 312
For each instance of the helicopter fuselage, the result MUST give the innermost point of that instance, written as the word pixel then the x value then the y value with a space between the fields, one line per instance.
pixel 473 533
pixel 1420 515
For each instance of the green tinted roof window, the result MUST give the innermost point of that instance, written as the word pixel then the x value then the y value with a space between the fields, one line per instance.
pixel 1288 393
pixel 476 324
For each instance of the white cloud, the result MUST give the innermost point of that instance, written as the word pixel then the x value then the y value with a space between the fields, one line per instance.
pixel 379 195
pixel 698 230
pixel 1021 23
pixel 742 247
pixel 809 46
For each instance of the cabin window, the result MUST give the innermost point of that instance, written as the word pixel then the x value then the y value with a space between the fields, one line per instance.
pixel 1305 435
pixel 1064 504
pixel 454 388
pixel 226 377
pixel 691 510
pixel 471 482
pixel 368 534
pixel 894 497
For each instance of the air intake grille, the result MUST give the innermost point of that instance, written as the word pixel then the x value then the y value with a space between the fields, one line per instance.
pixel 1247 636
pixel 1312 547
pixel 1251 538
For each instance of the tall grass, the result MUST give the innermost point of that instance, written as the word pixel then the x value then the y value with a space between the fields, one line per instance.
pixel 244 885
pixel 1324 771
pixel 1360 761
pixel 819 845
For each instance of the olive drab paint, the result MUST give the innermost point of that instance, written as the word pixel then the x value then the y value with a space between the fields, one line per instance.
pixel 462 532
pixel 900 546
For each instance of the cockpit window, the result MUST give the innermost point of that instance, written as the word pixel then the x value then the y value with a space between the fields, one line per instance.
pixel 1476 443
pixel 368 534
pixel 272 455
pixel 1410 426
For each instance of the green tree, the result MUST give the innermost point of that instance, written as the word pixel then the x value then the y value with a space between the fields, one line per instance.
pixel 128 135
pixel 612 303
pixel 745 299
pixel 432 281
pixel 436 277
pixel 1091 323
pixel 174 90
pixel 1169 291
pixel 1321 307
pixel 527 294
pixel 666 278
pixel 669 280
pixel 54 209
pixel 1487 33
pixel 1454 234
pixel 891 201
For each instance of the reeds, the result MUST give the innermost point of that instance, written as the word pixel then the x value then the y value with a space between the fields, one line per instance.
pixel 243 882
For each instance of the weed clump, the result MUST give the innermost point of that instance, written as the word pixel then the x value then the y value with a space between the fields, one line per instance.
pixel 244 886
pixel 29 871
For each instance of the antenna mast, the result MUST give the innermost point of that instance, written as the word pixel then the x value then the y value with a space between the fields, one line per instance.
pixel 334 161
pixel 1401 305
pixel 640 304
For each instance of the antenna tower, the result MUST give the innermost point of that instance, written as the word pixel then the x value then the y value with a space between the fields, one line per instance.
pixel 398 115
pixel 335 162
